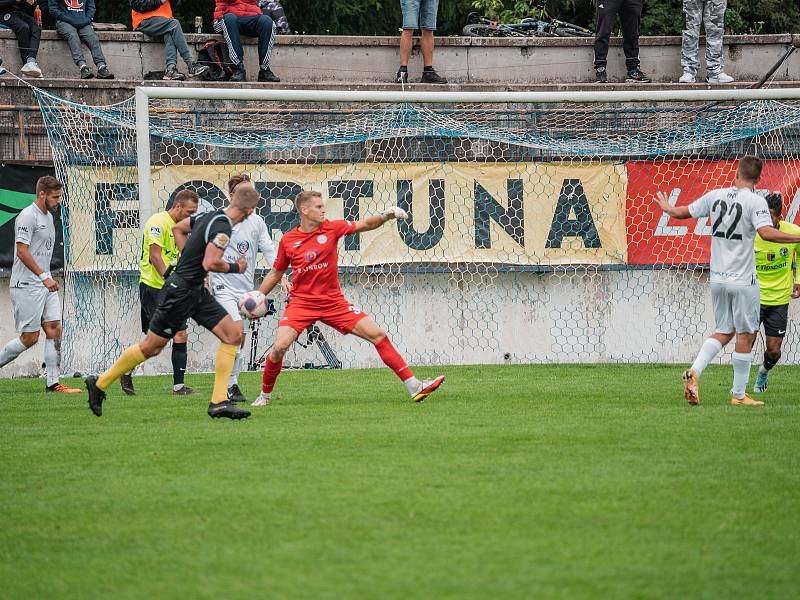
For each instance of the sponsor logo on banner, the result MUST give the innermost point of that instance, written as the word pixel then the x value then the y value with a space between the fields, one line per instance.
pixel 655 238
pixel 529 214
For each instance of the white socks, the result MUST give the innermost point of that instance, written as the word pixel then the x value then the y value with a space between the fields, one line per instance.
pixel 237 368
pixel 708 351
pixel 741 373
pixel 51 361
pixel 412 385
pixel 11 351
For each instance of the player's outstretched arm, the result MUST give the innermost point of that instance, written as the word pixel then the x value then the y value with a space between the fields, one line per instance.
pixel 25 256
pixel 213 263
pixel 375 221
pixel 270 280
pixel 181 232
pixel 676 212
pixel 770 234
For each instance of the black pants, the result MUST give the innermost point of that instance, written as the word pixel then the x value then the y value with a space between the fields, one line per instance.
pixel 27 31
pixel 629 13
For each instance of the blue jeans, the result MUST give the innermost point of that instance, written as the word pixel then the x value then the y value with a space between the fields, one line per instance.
pixel 233 27
pixel 419 14
pixel 174 42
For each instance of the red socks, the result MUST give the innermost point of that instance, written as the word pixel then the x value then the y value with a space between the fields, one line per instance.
pixel 393 360
pixel 271 372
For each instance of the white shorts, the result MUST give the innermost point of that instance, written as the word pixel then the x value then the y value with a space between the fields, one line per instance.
pixel 228 302
pixel 34 306
pixel 736 307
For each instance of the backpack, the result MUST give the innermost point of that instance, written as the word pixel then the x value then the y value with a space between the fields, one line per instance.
pixel 214 54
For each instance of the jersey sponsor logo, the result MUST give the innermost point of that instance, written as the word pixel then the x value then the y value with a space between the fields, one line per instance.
pixel 770 256
pixel 221 240
pixel 316 267
pixel 243 247
pixel 310 256
pixel 322 238
pixel 22 228
pixel 784 251
pixel 155 231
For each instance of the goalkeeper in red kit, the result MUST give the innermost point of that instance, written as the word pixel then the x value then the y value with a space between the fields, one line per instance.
pixel 311 251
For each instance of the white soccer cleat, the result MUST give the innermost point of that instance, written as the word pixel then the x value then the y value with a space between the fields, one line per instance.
pixel 720 78
pixel 426 388
pixel 262 400
pixel 687 78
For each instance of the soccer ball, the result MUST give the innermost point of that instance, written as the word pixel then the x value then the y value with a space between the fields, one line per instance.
pixel 253 305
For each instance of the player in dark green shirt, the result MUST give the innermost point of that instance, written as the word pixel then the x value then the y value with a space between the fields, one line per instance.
pixel 775 265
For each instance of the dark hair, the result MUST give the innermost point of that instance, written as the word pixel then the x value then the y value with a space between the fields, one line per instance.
pixel 775 202
pixel 303 198
pixel 236 180
pixel 750 168
pixel 48 184
pixel 186 196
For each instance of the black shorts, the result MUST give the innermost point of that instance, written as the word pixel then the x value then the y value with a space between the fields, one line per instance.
pixel 775 319
pixel 180 303
pixel 149 297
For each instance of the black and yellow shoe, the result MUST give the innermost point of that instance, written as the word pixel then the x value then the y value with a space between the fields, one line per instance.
pixel 96 396
pixel 227 410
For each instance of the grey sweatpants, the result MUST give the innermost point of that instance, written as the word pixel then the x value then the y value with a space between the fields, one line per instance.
pixel 174 42
pixel 74 36
pixel 711 13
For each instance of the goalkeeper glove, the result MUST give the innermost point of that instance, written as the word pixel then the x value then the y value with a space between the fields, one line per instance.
pixel 394 212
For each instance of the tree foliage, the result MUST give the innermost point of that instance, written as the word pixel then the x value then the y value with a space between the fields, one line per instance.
pixel 382 17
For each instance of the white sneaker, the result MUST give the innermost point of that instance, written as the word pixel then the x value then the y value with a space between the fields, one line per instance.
pixel 720 78
pixel 31 69
pixel 262 400
pixel 687 78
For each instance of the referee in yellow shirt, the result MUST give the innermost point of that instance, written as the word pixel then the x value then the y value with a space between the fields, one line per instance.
pixel 159 252
pixel 778 282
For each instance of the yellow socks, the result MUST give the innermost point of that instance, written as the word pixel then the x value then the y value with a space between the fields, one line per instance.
pixel 226 355
pixel 127 362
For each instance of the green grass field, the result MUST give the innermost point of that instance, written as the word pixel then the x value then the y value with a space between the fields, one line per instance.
pixel 510 482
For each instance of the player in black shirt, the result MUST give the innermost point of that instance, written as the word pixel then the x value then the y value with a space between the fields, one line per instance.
pixel 186 296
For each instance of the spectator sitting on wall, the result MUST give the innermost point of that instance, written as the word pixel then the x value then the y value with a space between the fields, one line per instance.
pixel 154 18
pixel 233 18
pixel 274 10
pixel 74 24
pixel 17 15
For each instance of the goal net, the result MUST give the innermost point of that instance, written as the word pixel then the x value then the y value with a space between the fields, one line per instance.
pixel 533 236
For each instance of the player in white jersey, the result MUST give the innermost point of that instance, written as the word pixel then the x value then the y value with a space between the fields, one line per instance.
pixel 736 214
pixel 34 292
pixel 249 237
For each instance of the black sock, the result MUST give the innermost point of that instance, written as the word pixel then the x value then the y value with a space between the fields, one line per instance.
pixel 429 68
pixel 403 68
pixel 179 358
pixel 770 360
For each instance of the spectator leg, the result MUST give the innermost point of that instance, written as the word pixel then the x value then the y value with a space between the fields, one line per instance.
pixel 27 34
pixel 264 29
pixel 228 26
pixel 89 37
pixel 605 23
pixel 406 43
pixel 71 36
pixel 690 36
pixel 714 20
pixel 630 14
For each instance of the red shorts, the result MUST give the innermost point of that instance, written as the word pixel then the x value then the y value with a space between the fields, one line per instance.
pixel 339 314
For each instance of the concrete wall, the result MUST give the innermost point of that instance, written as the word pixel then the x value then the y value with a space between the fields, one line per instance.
pixel 606 316
pixel 373 60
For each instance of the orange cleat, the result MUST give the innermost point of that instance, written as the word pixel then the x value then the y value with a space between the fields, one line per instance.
pixel 428 387
pixel 746 401
pixel 691 388
pixel 62 389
